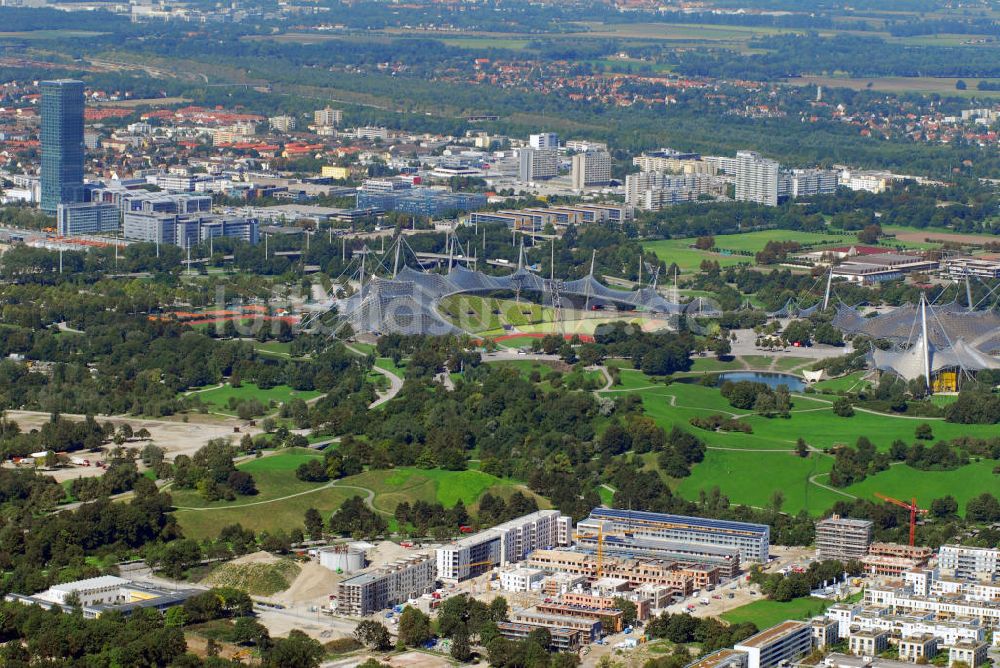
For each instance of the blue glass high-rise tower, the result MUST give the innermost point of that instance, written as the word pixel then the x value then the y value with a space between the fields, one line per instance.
pixel 62 143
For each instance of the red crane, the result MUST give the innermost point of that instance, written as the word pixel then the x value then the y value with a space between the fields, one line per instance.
pixel 911 506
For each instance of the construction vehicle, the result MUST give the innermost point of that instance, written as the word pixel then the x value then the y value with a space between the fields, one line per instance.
pixel 912 507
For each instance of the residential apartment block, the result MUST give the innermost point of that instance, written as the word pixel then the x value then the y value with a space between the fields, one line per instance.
pixel 537 164
pixel 974 563
pixel 777 645
pixel 843 538
pixel 386 586
pixel 629 527
pixel 503 544
pixel 756 178
pixel 591 168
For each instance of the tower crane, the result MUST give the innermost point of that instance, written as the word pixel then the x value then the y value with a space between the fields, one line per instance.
pixel 911 506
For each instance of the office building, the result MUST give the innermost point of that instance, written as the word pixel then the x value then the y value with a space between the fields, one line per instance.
pixel 328 117
pixel 428 202
pixel 544 140
pixel 625 527
pixel 756 179
pixel 105 593
pixel 385 586
pixel 62 143
pixel 87 218
pixel 537 164
pixel 970 563
pixel 282 123
pixel 777 645
pixel 186 230
pixel 504 544
pixel 591 168
pixel 961 267
pixel 843 538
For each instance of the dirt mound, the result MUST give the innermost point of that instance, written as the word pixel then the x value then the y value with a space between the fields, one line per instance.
pixel 314 584
pixel 256 574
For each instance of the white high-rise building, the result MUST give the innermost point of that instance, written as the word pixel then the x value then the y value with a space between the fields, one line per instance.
pixel 282 123
pixel 756 178
pixel 591 168
pixel 544 140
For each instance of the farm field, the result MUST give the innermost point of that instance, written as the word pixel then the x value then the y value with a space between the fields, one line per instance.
pixel 765 613
pixel 219 397
pixel 941 85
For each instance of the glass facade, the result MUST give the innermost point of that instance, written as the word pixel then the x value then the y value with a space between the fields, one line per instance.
pixel 62 143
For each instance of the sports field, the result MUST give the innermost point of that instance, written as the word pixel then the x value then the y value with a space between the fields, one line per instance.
pixel 480 314
pixel 218 397
pixel 766 613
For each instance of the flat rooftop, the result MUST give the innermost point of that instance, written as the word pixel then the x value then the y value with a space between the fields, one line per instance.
pixel 772 634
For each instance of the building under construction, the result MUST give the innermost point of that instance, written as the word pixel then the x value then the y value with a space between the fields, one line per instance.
pixel 722 544
pixel 843 538
pixel 386 586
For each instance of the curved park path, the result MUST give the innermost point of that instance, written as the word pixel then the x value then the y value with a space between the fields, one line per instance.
pixel 369 499
pixel 395 382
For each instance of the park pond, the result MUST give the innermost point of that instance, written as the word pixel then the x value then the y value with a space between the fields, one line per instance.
pixel 772 380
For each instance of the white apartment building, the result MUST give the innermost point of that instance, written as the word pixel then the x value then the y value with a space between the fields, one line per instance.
pixel 723 164
pixel 504 544
pixel 652 191
pixel 328 117
pixel 974 563
pixel 972 654
pixel 675 165
pixel 544 140
pixel 521 579
pixel 806 182
pixel 777 645
pixel 854 618
pixel 371 133
pixel 591 168
pixel 756 178
pixel 282 123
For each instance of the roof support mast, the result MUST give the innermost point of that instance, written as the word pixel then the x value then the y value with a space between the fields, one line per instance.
pixel 925 341
pixel 826 294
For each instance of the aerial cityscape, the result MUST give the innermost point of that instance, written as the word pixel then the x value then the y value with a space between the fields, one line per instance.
pixel 602 333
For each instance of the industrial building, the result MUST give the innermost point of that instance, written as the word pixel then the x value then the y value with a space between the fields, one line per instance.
pixel 843 538
pixel 777 645
pixel 702 540
pixel 105 593
pixel 503 544
pixel 386 586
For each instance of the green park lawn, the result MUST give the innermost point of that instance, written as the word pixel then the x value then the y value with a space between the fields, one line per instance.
pixel 903 482
pixel 281 501
pixel 748 468
pixel 218 397
pixel 411 484
pixel 766 613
